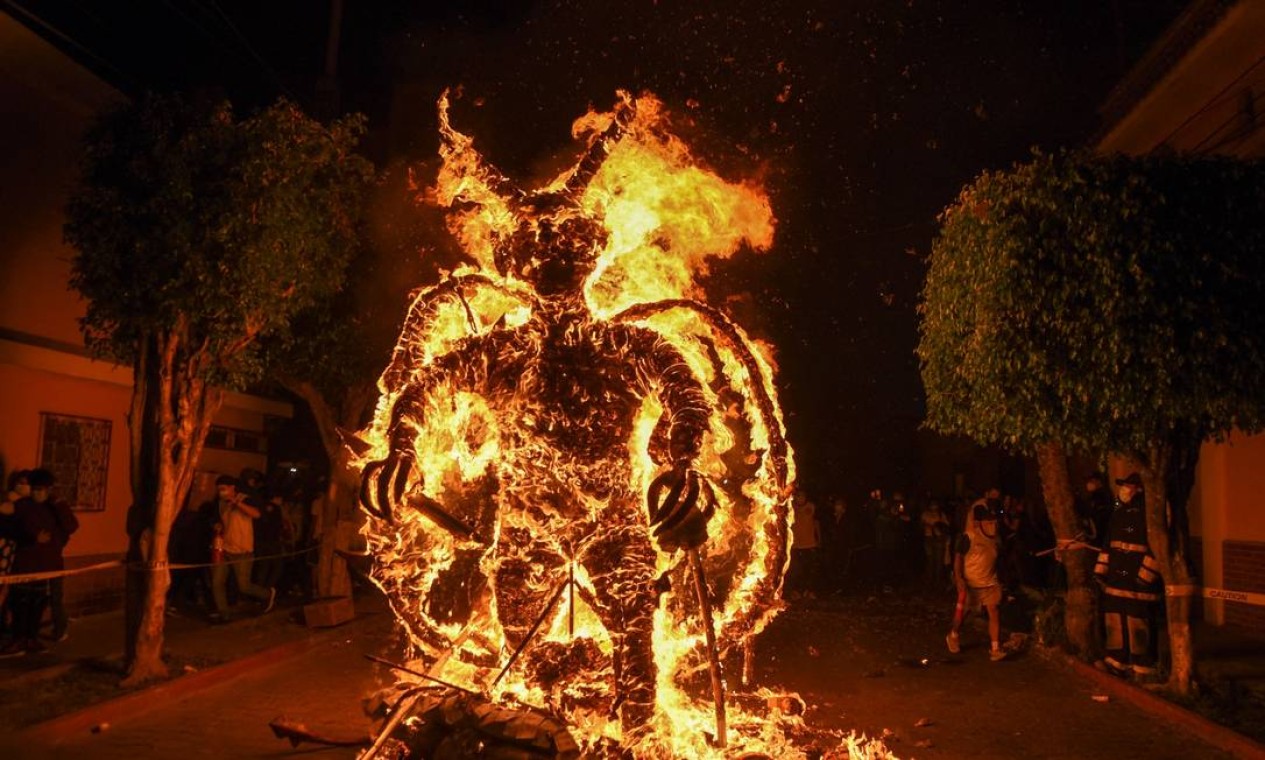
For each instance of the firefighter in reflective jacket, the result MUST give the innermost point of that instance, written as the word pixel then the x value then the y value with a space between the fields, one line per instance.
pixel 1131 585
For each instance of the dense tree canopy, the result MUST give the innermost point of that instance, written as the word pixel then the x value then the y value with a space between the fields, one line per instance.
pixel 1099 302
pixel 333 353
pixel 188 215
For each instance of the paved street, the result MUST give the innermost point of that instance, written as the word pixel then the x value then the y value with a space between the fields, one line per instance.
pixel 321 688
pixel 881 664
pixel 858 664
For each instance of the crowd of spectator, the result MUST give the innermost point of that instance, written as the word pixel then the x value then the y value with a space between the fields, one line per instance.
pixel 888 541
pixel 990 549
pixel 252 540
pixel 246 542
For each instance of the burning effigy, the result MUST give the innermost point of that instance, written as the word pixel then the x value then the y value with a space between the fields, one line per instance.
pixel 577 477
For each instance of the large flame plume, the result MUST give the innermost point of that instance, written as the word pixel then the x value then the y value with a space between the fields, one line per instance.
pixel 524 530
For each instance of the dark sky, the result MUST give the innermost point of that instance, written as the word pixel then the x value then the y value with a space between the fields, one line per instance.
pixel 864 119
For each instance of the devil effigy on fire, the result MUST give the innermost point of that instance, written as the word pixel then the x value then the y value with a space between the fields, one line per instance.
pixel 576 491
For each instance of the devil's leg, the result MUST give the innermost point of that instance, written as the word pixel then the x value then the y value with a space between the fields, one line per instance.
pixel 620 561
pixel 528 572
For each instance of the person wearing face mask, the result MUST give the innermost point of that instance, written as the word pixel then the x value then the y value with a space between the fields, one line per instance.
pixel 43 527
pixel 19 487
pixel 975 574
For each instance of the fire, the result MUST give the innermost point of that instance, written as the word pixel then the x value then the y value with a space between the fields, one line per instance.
pixel 536 397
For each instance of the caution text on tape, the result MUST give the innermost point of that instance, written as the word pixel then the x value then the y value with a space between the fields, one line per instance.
pixel 1207 592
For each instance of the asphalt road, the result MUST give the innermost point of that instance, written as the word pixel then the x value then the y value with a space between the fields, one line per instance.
pixel 321 688
pixel 879 665
pixel 875 665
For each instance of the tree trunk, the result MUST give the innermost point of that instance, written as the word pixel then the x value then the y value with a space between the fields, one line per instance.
pixel 143 437
pixel 1079 616
pixel 147 663
pixel 1166 471
pixel 332 578
pixel 184 410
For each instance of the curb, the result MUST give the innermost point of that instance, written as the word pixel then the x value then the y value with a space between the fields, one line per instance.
pixel 138 702
pixel 38 675
pixel 1214 733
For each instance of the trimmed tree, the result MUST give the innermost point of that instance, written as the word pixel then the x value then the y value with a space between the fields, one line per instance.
pixel 332 354
pixel 328 361
pixel 1090 304
pixel 198 233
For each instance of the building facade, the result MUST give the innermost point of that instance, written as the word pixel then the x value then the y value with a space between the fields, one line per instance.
pixel 59 408
pixel 1201 89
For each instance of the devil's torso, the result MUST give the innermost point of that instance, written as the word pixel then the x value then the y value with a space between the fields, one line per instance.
pixel 583 392
pixel 573 407
pixel 567 393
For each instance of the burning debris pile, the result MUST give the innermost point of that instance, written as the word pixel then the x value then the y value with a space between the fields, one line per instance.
pixel 577 476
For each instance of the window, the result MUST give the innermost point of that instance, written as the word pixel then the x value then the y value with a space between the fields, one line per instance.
pixel 217 438
pixel 232 439
pixel 77 451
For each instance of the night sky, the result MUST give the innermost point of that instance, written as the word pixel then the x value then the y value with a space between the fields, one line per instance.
pixel 863 119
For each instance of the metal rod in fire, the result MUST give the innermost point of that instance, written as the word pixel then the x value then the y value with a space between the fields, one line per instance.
pixel 713 658
pixel 532 633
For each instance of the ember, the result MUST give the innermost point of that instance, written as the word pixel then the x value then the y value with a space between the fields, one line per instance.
pixel 577 477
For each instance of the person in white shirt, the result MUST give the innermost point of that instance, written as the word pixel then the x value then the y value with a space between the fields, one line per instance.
pixel 975 574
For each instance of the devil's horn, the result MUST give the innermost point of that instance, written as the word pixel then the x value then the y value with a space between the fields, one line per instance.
pixel 601 147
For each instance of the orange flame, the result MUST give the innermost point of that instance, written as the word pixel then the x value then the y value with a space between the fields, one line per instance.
pixel 662 218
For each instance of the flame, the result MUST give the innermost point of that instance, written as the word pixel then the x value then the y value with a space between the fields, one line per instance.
pixel 467 581
pixel 667 216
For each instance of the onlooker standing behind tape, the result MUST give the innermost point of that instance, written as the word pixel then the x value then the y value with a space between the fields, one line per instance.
pixel 43 528
pixel 190 544
pixel 19 487
pixel 268 530
pixel 68 523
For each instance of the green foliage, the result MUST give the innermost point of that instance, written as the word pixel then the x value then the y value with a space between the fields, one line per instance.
pixel 1098 301
pixel 190 220
pixel 344 342
pixel 329 345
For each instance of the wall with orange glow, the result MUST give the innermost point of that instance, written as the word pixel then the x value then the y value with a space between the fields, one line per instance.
pixel 1228 513
pixel 27 393
pixel 1243 490
pixel 49 101
pixel 1206 102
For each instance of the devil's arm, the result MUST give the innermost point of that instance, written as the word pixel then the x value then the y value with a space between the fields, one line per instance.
pixel 482 365
pixel 409 355
pixel 737 342
pixel 680 501
pixel 663 371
